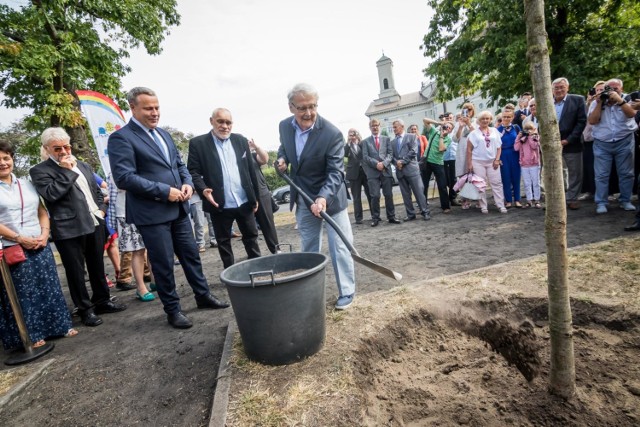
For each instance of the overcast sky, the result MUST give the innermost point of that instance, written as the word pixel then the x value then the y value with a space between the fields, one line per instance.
pixel 245 55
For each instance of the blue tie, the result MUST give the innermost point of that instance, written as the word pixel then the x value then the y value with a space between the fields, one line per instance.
pixel 398 143
pixel 160 145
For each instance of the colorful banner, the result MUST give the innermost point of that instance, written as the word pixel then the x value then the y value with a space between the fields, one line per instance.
pixel 104 117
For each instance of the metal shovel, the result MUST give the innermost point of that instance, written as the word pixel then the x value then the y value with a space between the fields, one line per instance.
pixel 354 253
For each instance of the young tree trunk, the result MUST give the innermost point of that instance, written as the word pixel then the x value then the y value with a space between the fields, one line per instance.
pixel 562 374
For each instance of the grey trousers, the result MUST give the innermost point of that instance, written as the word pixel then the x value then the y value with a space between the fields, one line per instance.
pixel 572 164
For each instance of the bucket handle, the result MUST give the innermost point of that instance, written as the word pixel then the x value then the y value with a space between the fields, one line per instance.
pixel 279 246
pixel 261 273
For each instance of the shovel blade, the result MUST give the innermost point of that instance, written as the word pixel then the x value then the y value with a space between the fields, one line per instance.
pixel 376 267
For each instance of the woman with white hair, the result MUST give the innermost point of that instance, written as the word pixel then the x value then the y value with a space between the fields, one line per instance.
pixel 484 146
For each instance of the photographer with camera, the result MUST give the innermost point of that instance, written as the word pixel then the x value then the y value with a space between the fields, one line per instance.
pixel 433 159
pixel 527 146
pixel 572 118
pixel 613 126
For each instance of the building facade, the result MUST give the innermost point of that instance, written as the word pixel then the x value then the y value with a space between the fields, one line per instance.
pixel 412 107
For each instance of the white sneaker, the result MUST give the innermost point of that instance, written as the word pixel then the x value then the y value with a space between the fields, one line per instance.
pixel 601 209
pixel 627 206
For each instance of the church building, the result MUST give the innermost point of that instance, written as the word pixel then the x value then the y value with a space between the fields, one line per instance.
pixel 411 107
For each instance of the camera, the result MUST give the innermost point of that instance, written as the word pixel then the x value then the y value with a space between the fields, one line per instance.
pixel 524 135
pixel 604 95
pixel 634 96
pixel 592 91
pixel 465 112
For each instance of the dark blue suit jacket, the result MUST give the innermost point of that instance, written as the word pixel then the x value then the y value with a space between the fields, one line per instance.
pixel 320 171
pixel 139 167
pixel 572 122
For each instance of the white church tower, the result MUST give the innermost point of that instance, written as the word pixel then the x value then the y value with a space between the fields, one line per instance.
pixel 388 91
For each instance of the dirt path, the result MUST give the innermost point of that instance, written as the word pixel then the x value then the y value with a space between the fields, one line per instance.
pixel 135 369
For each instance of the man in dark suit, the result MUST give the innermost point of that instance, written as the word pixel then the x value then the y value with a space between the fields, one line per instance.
pixel 355 173
pixel 146 163
pixel 315 150
pixel 572 119
pixel 77 212
pixel 376 161
pixel 404 149
pixel 221 165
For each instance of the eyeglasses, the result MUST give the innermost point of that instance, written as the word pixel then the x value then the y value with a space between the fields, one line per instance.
pixel 224 122
pixel 311 107
pixel 352 134
pixel 59 149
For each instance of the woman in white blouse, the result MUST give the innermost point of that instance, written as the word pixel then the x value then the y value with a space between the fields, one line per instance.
pixel 484 146
pixel 464 126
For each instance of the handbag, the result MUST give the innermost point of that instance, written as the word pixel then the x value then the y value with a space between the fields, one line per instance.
pixel 469 191
pixel 14 254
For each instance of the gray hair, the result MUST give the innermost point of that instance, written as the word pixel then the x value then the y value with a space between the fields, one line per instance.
pixel 133 94
pixel 615 80
pixel 560 80
pixel 399 121
pixel 302 89
pixel 217 110
pixel 54 134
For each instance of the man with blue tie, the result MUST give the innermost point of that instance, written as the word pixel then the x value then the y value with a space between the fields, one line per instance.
pixel 405 151
pixel 145 162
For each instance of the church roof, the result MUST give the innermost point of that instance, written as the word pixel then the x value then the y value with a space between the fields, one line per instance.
pixel 383 58
pixel 405 101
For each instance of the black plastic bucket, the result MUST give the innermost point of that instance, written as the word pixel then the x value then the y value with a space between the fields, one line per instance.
pixel 281 319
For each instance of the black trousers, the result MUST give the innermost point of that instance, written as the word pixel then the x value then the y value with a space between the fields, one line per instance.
pixel 450 174
pixel 356 186
pixel 441 180
pixel 222 222
pixel 264 217
pixel 74 253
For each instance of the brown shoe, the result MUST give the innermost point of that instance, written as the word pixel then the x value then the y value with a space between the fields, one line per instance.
pixel 573 205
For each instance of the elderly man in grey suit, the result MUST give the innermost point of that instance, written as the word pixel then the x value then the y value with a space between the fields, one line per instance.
pixel 376 162
pixel 405 148
pixel 315 150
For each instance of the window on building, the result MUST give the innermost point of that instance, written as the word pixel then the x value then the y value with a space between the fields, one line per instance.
pixel 385 83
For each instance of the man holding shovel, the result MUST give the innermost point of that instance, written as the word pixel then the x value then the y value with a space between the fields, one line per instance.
pixel 315 150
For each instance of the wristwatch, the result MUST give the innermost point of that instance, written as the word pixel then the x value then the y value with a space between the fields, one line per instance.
pixel 620 104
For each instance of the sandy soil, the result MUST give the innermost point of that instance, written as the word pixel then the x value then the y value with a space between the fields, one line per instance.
pixel 135 369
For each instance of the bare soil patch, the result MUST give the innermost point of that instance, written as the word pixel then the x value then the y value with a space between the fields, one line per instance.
pixel 136 370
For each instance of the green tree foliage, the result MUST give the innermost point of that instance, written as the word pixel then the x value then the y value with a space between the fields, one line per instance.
pixel 481 45
pixel 26 145
pixel 51 48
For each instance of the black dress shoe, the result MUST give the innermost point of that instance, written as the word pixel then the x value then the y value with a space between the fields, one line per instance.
pixel 394 221
pixel 358 221
pixel 426 217
pixel 214 243
pixel 633 227
pixel 179 320
pixel 110 307
pixel 209 301
pixel 122 286
pixel 375 222
pixel 409 218
pixel 89 318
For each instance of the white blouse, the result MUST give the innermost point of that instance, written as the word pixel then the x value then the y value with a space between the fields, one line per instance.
pixel 479 140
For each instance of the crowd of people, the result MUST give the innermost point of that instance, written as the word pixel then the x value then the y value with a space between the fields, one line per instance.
pixel 598 135
pixel 156 201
